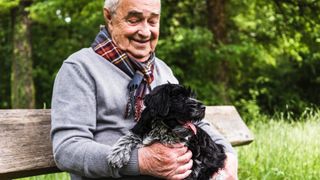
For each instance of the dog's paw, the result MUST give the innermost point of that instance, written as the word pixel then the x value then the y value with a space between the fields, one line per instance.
pixel 118 159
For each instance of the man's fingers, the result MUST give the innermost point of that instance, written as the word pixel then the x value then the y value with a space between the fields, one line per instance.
pixel 181 176
pixel 185 157
pixel 183 168
pixel 177 145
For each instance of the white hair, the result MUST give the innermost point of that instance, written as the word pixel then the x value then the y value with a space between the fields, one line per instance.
pixel 111 5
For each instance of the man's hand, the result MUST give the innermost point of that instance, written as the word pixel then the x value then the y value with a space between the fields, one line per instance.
pixel 230 170
pixel 161 161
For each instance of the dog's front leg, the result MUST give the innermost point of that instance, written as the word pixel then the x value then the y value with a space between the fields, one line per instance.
pixel 121 151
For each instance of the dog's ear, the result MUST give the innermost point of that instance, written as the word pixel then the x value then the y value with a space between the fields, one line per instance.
pixel 143 126
pixel 158 103
pixel 191 93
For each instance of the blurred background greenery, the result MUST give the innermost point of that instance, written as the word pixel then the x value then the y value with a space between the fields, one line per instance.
pixel 263 56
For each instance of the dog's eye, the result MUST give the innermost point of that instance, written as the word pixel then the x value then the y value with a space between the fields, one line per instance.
pixel 172 123
pixel 185 97
pixel 180 98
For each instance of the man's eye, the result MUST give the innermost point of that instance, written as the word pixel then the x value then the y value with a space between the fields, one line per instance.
pixel 133 20
pixel 153 21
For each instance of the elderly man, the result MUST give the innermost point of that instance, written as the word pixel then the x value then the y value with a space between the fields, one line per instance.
pixel 98 96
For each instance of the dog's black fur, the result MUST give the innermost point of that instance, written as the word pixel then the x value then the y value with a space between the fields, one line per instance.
pixel 173 105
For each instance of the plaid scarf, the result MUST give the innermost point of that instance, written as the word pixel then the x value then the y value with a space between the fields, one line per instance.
pixel 141 73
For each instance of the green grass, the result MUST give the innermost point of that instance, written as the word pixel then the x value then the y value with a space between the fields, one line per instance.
pixel 55 176
pixel 281 150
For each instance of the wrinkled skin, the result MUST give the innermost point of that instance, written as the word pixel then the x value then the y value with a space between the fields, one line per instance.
pixel 135 27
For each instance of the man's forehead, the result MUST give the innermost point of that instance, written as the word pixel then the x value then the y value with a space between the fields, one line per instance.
pixel 140 7
pixel 140 13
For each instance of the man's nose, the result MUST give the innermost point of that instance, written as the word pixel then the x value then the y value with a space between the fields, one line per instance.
pixel 144 30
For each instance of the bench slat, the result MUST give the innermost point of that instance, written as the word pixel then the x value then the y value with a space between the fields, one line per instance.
pixel 228 122
pixel 25 146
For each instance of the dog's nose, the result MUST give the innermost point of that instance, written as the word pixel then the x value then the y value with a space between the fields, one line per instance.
pixel 202 107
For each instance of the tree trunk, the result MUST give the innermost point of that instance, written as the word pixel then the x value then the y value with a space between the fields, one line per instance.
pixel 217 23
pixel 217 19
pixel 22 85
pixel 5 60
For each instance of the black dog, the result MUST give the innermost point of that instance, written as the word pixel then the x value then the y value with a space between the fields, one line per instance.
pixel 169 117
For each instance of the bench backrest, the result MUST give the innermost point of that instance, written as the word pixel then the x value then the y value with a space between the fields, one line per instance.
pixel 25 147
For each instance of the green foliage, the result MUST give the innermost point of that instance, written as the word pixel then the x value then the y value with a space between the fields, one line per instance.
pixel 284 52
pixel 271 55
pixel 7 5
pixel 62 27
pixel 189 53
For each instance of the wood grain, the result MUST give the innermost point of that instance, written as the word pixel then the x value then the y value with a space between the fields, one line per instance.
pixel 228 122
pixel 25 146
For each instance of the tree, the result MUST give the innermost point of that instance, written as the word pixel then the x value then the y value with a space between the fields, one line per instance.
pixel 16 47
pixel 5 58
pixel 217 24
pixel 22 85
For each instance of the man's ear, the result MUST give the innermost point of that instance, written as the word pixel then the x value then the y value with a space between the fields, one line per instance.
pixel 107 17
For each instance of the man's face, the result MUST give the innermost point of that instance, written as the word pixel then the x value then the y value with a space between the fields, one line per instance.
pixel 135 27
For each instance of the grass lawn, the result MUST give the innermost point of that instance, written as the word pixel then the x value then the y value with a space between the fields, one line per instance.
pixel 56 176
pixel 281 150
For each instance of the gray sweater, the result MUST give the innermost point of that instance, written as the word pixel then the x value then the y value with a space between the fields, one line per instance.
pixel 88 104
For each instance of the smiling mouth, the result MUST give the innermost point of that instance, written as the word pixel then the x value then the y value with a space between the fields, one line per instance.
pixel 141 41
pixel 140 44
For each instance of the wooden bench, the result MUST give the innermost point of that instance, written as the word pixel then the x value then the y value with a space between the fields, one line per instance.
pixel 25 147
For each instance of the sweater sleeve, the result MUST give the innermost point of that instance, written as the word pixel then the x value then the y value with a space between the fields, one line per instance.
pixel 216 136
pixel 73 125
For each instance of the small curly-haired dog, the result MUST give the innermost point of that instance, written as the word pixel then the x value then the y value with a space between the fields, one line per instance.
pixel 170 114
